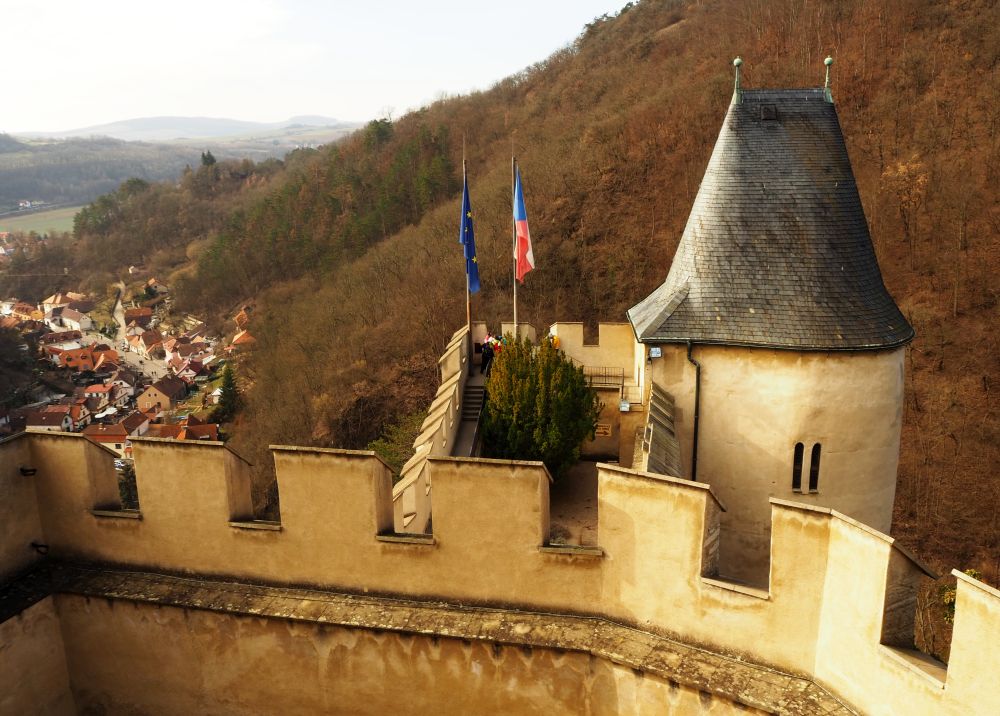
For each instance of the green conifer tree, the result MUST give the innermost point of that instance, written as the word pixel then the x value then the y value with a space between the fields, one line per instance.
pixel 539 406
pixel 229 399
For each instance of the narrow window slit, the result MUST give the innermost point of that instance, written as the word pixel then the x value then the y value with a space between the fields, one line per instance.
pixel 814 469
pixel 797 469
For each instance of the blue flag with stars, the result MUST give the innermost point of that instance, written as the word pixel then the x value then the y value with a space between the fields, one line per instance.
pixel 467 237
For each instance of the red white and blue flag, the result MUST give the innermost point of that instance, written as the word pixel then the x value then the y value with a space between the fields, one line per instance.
pixel 524 259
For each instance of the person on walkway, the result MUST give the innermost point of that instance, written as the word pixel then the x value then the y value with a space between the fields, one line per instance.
pixel 487 361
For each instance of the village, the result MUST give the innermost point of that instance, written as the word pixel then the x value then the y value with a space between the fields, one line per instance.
pixel 130 368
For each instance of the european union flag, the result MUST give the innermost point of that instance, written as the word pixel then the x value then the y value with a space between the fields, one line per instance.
pixel 467 237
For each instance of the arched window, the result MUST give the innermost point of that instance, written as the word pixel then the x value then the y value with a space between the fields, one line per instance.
pixel 797 469
pixel 814 469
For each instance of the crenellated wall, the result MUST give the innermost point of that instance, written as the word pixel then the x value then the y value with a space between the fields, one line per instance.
pixel 832 580
pixel 411 496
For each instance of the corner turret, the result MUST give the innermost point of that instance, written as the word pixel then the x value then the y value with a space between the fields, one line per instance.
pixel 772 355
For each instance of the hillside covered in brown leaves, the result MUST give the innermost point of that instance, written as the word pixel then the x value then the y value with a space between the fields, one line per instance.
pixel 351 252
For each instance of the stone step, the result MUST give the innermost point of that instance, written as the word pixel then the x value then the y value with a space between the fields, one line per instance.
pixel 472 402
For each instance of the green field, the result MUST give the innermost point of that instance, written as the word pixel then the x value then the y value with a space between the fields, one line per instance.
pixel 42 222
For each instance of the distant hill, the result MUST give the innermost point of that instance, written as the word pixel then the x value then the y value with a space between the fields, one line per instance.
pixel 76 171
pixel 77 166
pixel 9 144
pixel 162 129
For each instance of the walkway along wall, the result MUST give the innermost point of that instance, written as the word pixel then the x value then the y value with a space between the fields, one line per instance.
pixel 836 604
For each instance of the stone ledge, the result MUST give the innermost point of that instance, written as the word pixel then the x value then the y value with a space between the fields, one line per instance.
pixel 256 525
pixel 659 656
pixel 755 592
pixel 577 550
pixel 118 514
pixel 929 668
pixel 406 538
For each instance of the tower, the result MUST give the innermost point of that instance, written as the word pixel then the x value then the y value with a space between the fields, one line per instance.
pixel 773 343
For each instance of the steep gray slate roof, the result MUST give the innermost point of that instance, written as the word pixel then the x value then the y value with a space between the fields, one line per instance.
pixel 776 251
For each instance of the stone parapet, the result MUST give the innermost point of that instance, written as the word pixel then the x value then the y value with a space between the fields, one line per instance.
pixel 822 615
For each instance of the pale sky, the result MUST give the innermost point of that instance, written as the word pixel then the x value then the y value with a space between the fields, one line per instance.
pixel 73 64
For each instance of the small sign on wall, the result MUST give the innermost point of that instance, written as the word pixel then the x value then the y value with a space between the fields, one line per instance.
pixel 624 406
pixel 655 352
pixel 603 430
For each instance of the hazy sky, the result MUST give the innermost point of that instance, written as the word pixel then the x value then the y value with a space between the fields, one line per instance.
pixel 73 64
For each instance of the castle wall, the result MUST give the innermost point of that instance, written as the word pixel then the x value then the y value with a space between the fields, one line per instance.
pixel 820 615
pixel 129 658
pixel 977 632
pixel 33 674
pixel 615 345
pixel 615 348
pixel 524 330
pixel 411 495
pixel 756 404
pixel 845 655
pixel 18 510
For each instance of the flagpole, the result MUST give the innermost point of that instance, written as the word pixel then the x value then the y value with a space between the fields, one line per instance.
pixel 513 189
pixel 468 288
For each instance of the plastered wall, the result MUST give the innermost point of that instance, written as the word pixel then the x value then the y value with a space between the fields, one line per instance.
pixel 820 615
pixel 411 495
pixel 33 674
pixel 20 524
pixel 756 404
pixel 614 348
pixel 137 658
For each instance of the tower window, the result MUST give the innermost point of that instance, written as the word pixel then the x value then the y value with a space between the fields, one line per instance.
pixel 814 469
pixel 797 469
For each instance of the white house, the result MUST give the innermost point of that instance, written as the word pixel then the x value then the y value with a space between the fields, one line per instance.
pixel 76 321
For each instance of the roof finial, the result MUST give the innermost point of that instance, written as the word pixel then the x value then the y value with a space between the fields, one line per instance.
pixel 829 95
pixel 737 95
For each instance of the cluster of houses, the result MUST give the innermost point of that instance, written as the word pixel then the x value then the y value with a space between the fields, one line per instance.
pixel 110 401
pixel 13 242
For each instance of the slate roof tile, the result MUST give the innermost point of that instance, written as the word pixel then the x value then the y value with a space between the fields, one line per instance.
pixel 776 251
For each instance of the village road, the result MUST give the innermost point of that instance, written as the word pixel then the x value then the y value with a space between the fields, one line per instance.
pixel 119 313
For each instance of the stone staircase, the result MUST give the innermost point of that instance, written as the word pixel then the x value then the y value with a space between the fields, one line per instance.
pixel 472 401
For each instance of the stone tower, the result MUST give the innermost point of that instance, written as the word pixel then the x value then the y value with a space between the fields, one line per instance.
pixel 773 345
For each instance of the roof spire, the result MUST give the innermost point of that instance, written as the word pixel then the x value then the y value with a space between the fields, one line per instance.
pixel 737 94
pixel 829 95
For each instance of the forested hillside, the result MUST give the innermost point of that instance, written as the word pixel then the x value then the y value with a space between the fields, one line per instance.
pixel 73 171
pixel 351 251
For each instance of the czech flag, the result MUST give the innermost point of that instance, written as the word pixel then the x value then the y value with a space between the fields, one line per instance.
pixel 467 237
pixel 524 258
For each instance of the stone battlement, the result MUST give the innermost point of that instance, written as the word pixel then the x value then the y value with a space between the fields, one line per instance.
pixel 838 608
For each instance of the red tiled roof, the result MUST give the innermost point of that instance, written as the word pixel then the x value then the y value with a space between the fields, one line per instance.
pixel 59 337
pixel 133 422
pixel 174 388
pixel 200 432
pixel 105 433
pixel 41 418
pixel 164 431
